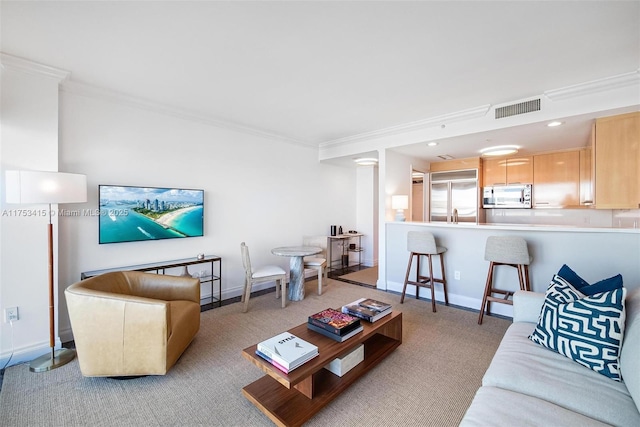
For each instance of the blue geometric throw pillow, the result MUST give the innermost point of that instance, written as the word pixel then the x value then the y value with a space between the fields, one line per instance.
pixel 584 287
pixel 587 329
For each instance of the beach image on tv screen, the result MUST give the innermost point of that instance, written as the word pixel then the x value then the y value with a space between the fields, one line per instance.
pixel 129 214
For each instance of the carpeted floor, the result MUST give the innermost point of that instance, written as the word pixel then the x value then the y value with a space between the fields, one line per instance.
pixel 366 276
pixel 429 380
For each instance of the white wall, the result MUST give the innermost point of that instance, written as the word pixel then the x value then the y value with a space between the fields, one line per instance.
pixel 264 192
pixel 367 212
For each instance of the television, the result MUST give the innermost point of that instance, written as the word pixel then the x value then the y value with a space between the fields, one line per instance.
pixel 130 214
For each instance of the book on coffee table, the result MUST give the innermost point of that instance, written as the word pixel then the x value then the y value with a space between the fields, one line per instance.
pixel 365 312
pixel 288 350
pixel 374 305
pixel 282 368
pixel 334 321
pixel 335 337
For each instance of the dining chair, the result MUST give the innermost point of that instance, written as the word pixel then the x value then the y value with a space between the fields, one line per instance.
pixel 267 273
pixel 318 261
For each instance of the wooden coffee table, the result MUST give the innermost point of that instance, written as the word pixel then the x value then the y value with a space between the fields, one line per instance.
pixel 291 399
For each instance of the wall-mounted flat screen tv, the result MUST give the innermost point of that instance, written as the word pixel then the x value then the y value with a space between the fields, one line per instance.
pixel 130 214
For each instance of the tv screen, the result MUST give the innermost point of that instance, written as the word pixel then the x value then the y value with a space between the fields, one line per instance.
pixel 130 214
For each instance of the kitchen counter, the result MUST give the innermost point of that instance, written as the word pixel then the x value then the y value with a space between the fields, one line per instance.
pixel 594 253
pixel 536 227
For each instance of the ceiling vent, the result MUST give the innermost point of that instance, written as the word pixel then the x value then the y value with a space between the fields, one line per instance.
pixel 520 108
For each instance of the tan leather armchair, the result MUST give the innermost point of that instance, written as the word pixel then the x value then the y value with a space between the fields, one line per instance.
pixel 129 323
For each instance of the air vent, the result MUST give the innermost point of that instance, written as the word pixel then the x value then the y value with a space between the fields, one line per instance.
pixel 446 157
pixel 520 108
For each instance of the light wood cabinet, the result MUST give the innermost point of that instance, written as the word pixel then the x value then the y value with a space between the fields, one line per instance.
pixel 617 162
pixel 508 170
pixel 457 164
pixel 556 179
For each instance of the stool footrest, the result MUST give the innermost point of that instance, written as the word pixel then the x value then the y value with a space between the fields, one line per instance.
pixel 504 300
pixel 427 279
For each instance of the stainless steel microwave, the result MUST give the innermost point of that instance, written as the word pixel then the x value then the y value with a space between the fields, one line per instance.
pixel 517 196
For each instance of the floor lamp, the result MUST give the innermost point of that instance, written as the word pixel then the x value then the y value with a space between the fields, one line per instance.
pixel 35 187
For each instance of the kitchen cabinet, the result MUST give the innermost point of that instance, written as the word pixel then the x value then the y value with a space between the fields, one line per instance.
pixel 617 162
pixel 507 170
pixel 556 179
pixel 457 164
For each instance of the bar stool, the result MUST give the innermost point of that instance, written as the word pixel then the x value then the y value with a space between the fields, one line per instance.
pixel 505 250
pixel 421 243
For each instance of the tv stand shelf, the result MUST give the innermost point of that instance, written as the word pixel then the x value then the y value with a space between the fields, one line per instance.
pixel 214 276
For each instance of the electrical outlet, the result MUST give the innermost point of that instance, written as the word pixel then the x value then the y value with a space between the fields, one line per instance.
pixel 456 275
pixel 11 314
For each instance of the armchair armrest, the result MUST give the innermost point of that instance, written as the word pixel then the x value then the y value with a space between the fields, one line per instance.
pixel 527 306
pixel 109 330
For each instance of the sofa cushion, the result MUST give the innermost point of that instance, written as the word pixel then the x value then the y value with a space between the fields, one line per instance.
pixel 498 407
pixel 629 358
pixel 522 366
pixel 586 329
pixel 584 287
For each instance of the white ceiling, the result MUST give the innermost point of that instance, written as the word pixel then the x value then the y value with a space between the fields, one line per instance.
pixel 313 72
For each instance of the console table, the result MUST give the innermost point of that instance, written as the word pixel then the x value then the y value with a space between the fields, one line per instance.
pixel 292 399
pixel 214 276
pixel 350 242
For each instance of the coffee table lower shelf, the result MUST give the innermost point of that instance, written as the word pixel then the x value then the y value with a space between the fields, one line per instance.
pixel 290 407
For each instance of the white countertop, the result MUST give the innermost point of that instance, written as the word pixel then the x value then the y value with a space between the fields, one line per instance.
pixel 531 227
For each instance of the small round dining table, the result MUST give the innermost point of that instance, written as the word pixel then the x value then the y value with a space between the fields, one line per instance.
pixel 296 270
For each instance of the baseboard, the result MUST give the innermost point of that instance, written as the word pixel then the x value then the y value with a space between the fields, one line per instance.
pixel 26 354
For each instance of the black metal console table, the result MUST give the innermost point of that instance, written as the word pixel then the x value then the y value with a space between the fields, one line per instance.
pixel 214 276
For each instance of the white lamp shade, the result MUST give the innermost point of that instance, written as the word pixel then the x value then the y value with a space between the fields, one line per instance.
pixel 25 187
pixel 400 202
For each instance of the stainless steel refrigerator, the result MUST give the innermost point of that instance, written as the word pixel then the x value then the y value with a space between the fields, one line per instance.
pixel 454 196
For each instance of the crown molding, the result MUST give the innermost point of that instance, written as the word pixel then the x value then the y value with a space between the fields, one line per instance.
pixel 92 91
pixel 469 114
pixel 16 63
pixel 600 85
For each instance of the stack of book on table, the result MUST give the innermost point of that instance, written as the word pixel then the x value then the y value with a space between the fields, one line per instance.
pixel 367 309
pixel 334 324
pixel 286 351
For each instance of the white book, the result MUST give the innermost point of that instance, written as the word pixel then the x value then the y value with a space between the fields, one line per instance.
pixel 287 349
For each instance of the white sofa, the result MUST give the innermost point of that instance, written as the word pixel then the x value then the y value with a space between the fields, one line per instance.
pixel 529 385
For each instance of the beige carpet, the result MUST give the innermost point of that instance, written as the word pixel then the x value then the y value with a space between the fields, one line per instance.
pixel 367 276
pixel 429 380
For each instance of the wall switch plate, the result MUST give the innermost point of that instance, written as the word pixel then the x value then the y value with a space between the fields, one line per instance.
pixel 11 314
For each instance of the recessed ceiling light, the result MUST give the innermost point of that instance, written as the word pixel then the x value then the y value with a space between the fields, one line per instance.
pixel 500 150
pixel 554 124
pixel 432 144
pixel 366 161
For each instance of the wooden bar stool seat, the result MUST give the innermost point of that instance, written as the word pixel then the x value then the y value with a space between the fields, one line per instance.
pixel 511 251
pixel 421 244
